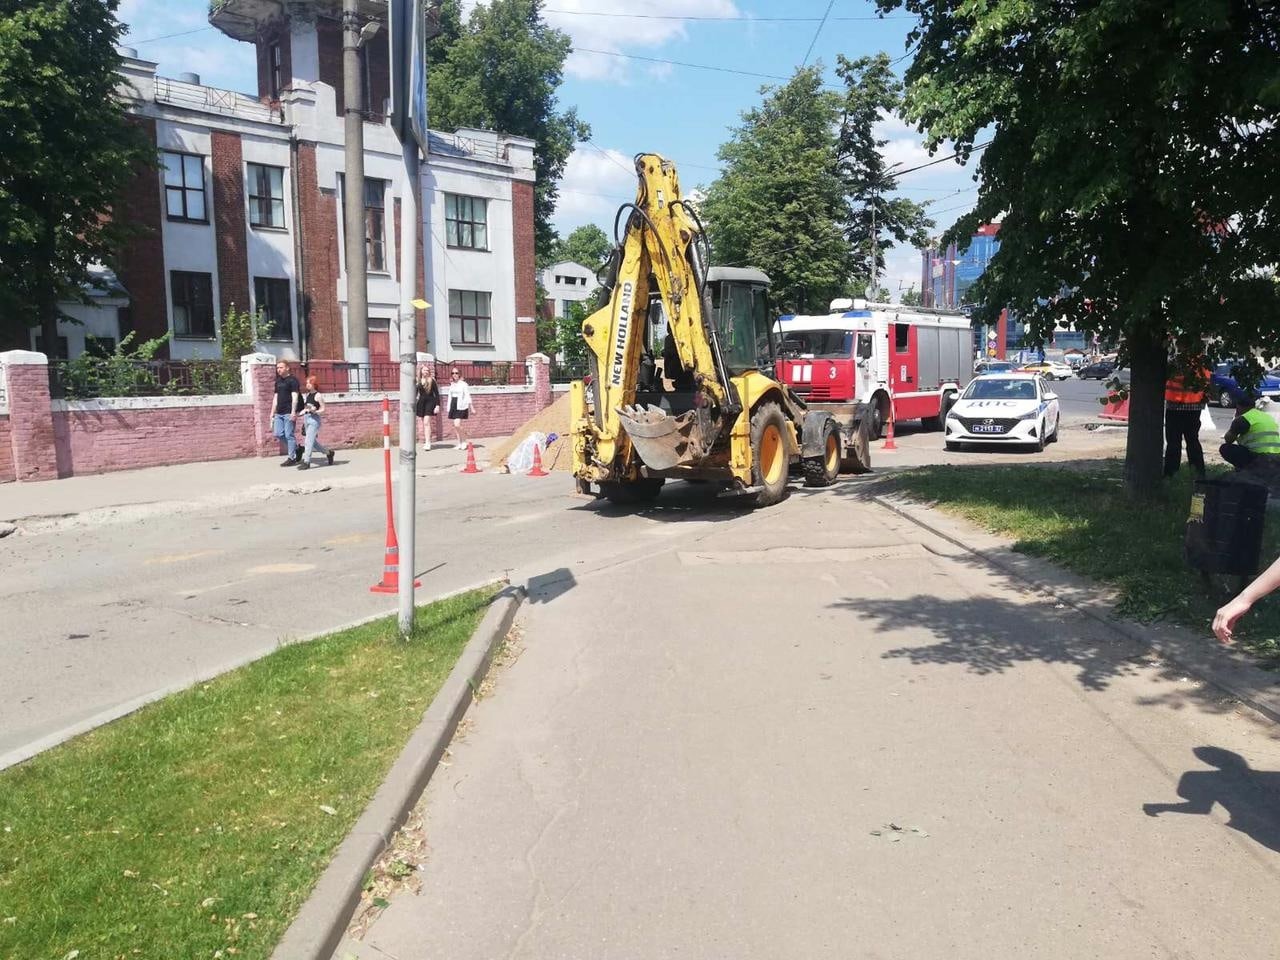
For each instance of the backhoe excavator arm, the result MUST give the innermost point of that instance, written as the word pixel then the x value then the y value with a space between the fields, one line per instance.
pixel 659 251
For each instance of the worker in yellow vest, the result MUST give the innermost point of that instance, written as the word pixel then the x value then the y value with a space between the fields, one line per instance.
pixel 1183 400
pixel 1252 435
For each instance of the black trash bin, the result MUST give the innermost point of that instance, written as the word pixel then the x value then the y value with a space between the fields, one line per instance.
pixel 1224 528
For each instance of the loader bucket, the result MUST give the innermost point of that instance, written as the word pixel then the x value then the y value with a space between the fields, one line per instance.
pixel 660 440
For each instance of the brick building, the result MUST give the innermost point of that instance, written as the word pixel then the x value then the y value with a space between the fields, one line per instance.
pixel 246 208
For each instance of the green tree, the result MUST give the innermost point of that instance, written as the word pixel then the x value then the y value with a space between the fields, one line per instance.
pixel 67 153
pixel 500 70
pixel 873 91
pixel 912 297
pixel 587 245
pixel 1133 161
pixel 779 203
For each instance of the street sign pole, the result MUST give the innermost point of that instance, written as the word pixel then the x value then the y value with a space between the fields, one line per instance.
pixel 408 28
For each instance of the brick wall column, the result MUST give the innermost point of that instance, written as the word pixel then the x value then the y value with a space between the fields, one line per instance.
pixel 540 369
pixel 526 292
pixel 26 381
pixel 258 376
pixel 229 222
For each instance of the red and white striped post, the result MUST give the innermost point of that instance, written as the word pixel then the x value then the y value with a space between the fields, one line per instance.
pixel 390 582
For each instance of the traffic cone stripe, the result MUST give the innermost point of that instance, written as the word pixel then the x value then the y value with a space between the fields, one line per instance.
pixel 537 470
pixel 471 460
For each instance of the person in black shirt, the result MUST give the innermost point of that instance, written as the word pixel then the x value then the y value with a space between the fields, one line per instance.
pixel 426 403
pixel 312 407
pixel 284 415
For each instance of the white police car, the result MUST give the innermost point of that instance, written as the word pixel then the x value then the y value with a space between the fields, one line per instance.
pixel 1014 408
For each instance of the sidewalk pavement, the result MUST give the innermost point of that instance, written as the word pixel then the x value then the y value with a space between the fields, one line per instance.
pixel 821 731
pixel 214 482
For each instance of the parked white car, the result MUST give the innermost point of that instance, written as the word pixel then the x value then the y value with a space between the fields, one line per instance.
pixel 1051 369
pixel 1011 408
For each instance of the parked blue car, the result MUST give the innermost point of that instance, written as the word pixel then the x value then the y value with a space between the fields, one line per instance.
pixel 1225 392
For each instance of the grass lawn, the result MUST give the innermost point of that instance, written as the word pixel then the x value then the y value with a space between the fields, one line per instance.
pixel 196 827
pixel 1079 517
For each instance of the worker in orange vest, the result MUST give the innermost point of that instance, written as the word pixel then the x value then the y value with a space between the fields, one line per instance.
pixel 1184 398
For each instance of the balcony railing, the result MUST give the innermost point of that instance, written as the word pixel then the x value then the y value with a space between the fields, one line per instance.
pixel 196 96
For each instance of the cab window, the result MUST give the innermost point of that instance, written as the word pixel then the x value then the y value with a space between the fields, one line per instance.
pixel 901 335
pixel 742 319
pixel 865 346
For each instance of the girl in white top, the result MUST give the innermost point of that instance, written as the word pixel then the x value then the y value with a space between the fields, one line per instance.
pixel 459 394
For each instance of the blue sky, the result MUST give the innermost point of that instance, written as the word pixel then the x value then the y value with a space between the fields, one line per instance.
pixel 636 104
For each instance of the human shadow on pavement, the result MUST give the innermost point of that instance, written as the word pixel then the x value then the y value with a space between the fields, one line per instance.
pixel 1251 797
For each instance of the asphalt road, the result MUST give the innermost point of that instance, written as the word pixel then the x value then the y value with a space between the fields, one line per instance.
pixel 1078 400
pixel 817 731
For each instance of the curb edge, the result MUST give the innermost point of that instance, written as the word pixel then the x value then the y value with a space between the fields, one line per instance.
pixel 318 929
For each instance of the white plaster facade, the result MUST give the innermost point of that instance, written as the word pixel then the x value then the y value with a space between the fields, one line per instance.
pixel 568 282
pixel 473 163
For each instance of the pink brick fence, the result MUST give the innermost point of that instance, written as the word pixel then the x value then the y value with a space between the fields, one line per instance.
pixel 42 439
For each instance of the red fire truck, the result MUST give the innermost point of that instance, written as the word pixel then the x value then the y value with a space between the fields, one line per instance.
pixel 870 361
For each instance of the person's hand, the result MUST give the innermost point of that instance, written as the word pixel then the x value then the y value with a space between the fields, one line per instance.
pixel 1224 622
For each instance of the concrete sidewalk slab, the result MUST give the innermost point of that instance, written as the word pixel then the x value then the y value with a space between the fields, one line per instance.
pixel 712 759
pixel 132 494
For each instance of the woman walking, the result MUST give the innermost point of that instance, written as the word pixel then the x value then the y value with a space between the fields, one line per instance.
pixel 427 403
pixel 312 407
pixel 459 405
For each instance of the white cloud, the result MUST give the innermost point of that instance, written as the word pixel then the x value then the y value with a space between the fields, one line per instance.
pixel 595 184
pixel 621 34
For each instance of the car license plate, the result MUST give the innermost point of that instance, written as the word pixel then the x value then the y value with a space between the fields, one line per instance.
pixel 987 428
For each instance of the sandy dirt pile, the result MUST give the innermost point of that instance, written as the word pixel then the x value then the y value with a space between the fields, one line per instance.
pixel 554 419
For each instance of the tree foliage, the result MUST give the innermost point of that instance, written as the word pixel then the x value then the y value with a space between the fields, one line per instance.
pixel 587 245
pixel 1134 158
pixel 872 91
pixel 500 70
pixel 779 203
pixel 912 297
pixel 67 152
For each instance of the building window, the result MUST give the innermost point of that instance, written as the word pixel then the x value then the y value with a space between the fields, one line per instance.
pixel 375 224
pixel 62 350
pixel 266 196
pixel 192 295
pixel 275 318
pixel 184 187
pixel 469 318
pixel 99 346
pixel 275 67
pixel 466 222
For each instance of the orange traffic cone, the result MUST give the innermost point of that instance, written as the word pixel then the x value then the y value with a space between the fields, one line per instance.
pixel 390 582
pixel 537 470
pixel 888 438
pixel 471 460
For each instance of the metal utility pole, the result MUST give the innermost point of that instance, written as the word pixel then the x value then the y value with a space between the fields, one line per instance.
pixel 409 221
pixel 353 224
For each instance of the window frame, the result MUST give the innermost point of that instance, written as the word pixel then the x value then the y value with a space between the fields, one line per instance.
pixel 259 308
pixel 182 188
pixel 173 305
pixel 453 238
pixel 255 199
pixel 475 318
pixel 275 68
pixel 376 211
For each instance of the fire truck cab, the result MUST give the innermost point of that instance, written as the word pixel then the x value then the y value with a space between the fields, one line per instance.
pixel 869 362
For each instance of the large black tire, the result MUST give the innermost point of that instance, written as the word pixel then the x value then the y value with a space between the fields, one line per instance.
pixel 632 491
pixel 769 460
pixel 876 419
pixel 858 453
pixel 938 422
pixel 822 471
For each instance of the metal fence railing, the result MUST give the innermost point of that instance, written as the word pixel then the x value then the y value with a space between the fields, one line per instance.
pixel 383 376
pixel 563 371
pixel 497 373
pixel 89 377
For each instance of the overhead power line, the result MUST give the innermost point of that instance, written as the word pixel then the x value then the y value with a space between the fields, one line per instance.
pixel 680 63
pixel 718 19
pixel 821 23
pixel 951 156
pixel 167 36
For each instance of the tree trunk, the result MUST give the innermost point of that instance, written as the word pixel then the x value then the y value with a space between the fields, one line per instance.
pixel 49 328
pixel 1144 453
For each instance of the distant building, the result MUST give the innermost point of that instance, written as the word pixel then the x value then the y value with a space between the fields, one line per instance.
pixel 246 208
pixel 946 274
pixel 566 282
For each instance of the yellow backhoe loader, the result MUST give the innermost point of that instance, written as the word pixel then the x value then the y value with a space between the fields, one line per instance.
pixel 682 358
